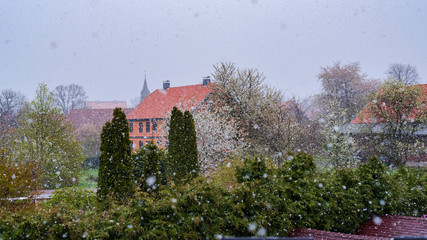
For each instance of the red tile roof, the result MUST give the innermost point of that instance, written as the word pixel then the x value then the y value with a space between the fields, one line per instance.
pixel 393 226
pixel 385 227
pixel 325 235
pixel 365 117
pixel 105 104
pixel 160 102
pixel 79 117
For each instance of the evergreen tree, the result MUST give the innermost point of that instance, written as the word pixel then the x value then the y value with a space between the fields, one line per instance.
pixel 148 165
pixel 115 162
pixel 190 145
pixel 176 158
pixel 183 162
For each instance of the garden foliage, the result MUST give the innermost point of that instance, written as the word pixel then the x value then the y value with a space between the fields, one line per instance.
pixel 16 180
pixel 264 201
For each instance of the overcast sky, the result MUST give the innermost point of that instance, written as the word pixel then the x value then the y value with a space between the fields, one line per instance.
pixel 107 46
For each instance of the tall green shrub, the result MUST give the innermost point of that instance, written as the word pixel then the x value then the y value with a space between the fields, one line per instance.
pixel 176 154
pixel 115 162
pixel 183 161
pixel 190 145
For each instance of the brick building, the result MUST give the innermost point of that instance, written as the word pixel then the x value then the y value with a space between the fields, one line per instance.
pixel 146 122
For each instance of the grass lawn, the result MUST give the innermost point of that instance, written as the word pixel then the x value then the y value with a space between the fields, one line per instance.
pixel 87 178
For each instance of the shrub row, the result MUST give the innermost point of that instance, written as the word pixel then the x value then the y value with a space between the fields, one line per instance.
pixel 263 201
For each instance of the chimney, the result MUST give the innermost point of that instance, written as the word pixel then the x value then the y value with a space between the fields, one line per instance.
pixel 206 80
pixel 166 84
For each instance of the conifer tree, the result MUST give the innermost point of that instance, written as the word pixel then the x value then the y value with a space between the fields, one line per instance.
pixel 176 164
pixel 115 162
pixel 190 145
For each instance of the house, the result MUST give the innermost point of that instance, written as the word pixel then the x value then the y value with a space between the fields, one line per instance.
pixel 147 121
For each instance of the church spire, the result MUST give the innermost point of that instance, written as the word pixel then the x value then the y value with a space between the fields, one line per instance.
pixel 144 92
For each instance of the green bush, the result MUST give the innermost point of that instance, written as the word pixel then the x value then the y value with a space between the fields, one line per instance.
pixel 297 175
pixel 73 198
pixel 147 172
pixel 408 195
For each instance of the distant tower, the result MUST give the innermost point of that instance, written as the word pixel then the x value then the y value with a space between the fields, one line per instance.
pixel 144 92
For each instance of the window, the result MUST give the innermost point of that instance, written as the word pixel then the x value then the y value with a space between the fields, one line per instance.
pixel 147 127
pixel 140 127
pixel 141 143
pixel 159 142
pixel 154 126
pixel 130 127
pixel 131 145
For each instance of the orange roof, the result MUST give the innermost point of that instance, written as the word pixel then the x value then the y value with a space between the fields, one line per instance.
pixel 160 102
pixel 365 117
pixel 105 104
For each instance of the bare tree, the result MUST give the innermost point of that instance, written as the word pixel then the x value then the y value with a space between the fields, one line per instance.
pixel 407 74
pixel 347 85
pixel 134 102
pixel 68 97
pixel 10 102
